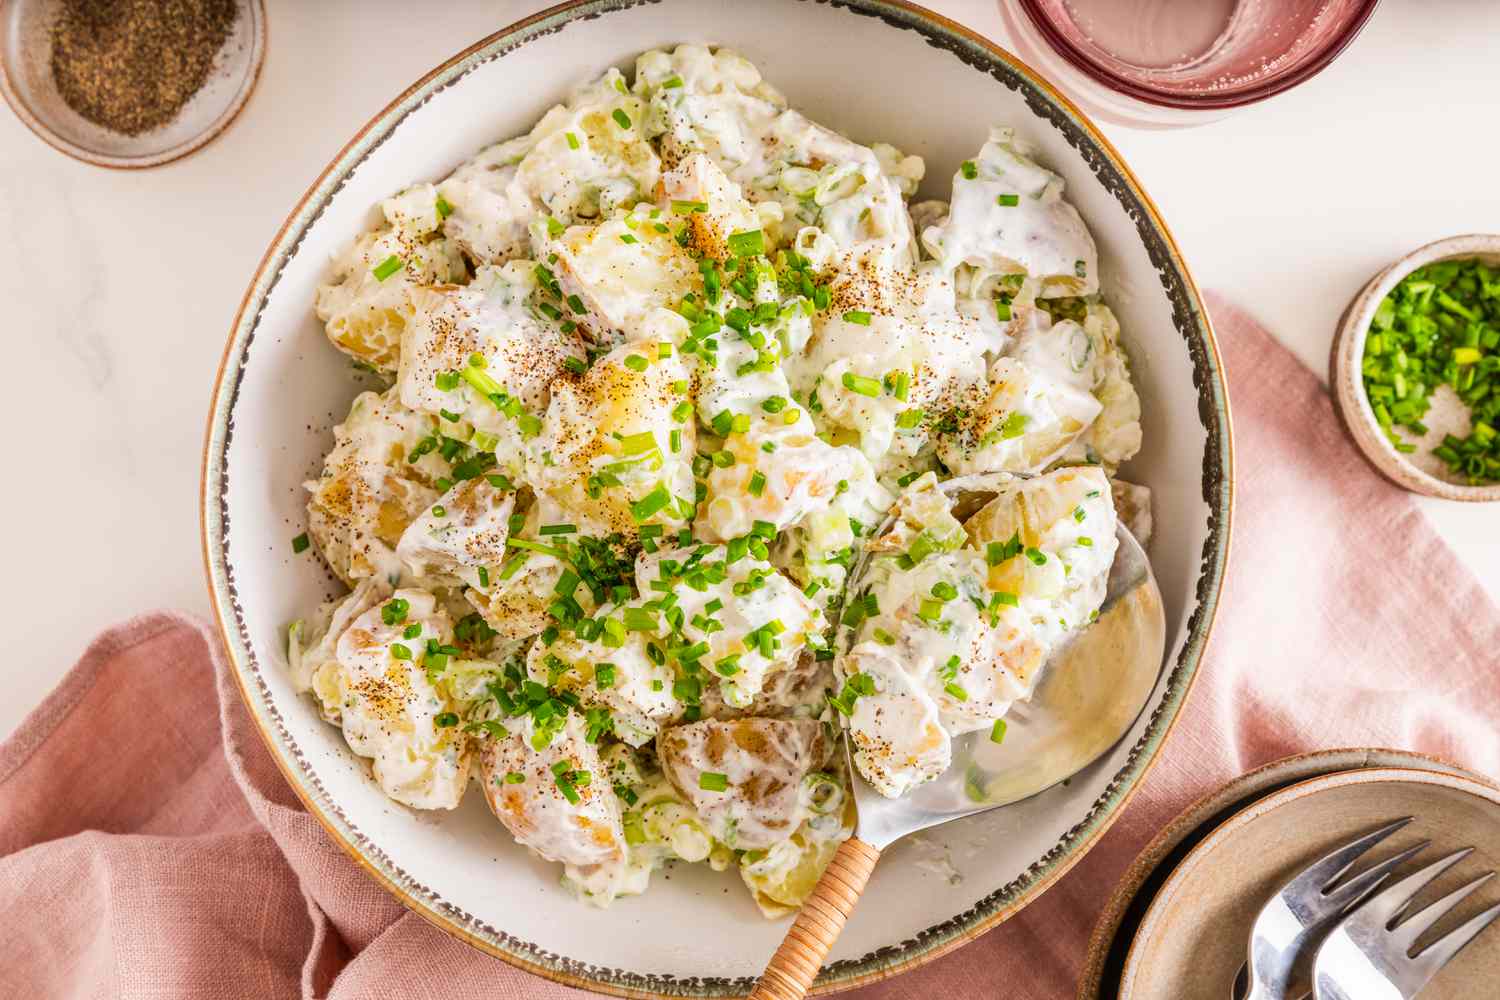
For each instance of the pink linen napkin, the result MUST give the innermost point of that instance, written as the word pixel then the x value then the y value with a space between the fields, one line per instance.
pixel 149 848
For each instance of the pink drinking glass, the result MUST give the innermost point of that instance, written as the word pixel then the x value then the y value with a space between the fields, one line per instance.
pixel 1173 63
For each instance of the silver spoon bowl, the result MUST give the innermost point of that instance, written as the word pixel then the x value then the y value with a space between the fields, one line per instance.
pixel 1091 692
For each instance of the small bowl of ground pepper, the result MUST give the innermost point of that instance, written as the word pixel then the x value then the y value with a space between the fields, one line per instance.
pixel 129 83
pixel 1415 369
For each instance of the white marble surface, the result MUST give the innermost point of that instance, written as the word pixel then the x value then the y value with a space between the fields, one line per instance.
pixel 118 288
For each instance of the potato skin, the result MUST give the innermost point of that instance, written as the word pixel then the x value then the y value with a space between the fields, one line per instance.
pixel 763 761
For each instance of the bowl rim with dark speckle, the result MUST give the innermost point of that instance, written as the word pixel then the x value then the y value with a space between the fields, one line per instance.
pixel 1206 485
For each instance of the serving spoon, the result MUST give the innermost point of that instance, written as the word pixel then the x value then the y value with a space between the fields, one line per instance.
pixel 1091 692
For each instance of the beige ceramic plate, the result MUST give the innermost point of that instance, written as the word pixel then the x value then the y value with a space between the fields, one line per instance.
pixel 1122 915
pixel 1420 472
pixel 1192 939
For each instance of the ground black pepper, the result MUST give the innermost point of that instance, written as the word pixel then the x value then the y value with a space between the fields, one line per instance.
pixel 131 65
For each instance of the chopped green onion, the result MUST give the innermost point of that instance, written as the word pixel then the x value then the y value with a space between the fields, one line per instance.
pixel 747 244
pixel 997 732
pixel 858 317
pixel 651 503
pixel 862 384
pixel 711 781
pixel 387 267
pixel 620 117
pixel 300 544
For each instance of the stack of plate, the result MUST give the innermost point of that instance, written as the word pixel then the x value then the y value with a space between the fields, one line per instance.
pixel 1178 923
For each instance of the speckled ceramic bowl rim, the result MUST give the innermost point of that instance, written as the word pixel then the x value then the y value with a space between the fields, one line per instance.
pixel 1200 819
pixel 1347 386
pixel 39 128
pixel 1190 319
pixel 1256 811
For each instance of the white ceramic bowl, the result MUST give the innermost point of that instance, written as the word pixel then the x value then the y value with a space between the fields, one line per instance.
pixel 1421 471
pixel 876 70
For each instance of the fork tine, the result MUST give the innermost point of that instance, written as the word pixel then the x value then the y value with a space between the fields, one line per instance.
pixel 1322 873
pixel 1351 892
pixel 1414 926
pixel 1441 952
pixel 1380 910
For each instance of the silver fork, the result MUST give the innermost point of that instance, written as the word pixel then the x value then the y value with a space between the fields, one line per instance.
pixel 1302 909
pixel 1368 956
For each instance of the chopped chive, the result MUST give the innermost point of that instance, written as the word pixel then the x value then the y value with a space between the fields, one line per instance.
pixel 387 267
pixel 651 503
pixel 636 444
pixel 907 419
pixel 1008 200
pixel 858 317
pixel 712 781
pixel 300 544
pixel 620 117
pixel 997 731
pixel 747 244
pixel 862 384
pixel 572 140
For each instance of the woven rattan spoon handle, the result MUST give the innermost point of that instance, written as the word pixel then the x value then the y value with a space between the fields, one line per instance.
pixel 796 963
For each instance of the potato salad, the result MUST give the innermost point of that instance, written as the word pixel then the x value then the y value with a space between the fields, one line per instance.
pixel 649 383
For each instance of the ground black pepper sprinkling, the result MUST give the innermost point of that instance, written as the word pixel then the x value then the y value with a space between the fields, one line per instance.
pixel 131 65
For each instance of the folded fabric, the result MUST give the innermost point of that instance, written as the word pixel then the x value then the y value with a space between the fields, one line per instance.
pixel 149 847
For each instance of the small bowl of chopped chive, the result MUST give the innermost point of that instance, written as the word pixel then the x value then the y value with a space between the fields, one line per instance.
pixel 1415 369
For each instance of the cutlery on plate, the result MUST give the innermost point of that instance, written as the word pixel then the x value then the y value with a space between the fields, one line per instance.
pixel 1090 694
pixel 1299 912
pixel 1368 955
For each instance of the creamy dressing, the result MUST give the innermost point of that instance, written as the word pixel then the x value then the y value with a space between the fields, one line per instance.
pixel 1039 235
pixel 390 711
pixel 763 764
pixel 466 530
pixel 523 792
pixel 624 401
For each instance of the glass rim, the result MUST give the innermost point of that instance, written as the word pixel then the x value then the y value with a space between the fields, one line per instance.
pixel 1162 97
